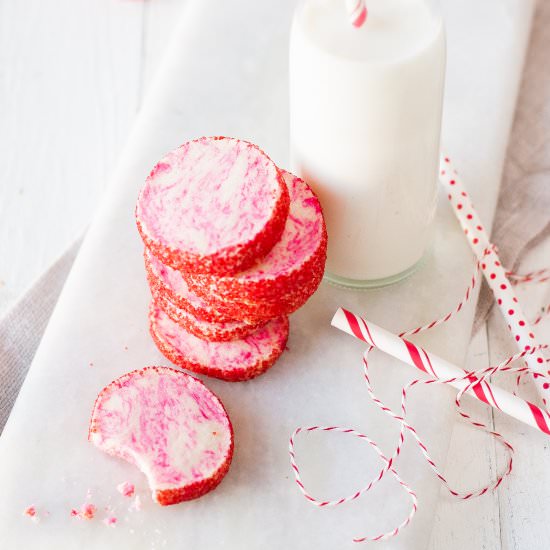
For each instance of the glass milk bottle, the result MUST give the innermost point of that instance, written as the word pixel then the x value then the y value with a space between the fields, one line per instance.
pixel 365 117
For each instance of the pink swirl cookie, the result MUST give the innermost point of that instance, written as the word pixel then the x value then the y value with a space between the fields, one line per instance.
pixel 170 284
pixel 205 330
pixel 234 361
pixel 213 205
pixel 169 425
pixel 287 275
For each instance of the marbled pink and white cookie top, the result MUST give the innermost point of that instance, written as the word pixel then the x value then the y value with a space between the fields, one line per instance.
pixel 167 423
pixel 212 205
pixel 302 236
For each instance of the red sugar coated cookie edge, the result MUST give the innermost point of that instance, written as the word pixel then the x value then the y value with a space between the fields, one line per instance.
pixel 167 497
pixel 157 285
pixel 235 375
pixel 251 308
pixel 211 332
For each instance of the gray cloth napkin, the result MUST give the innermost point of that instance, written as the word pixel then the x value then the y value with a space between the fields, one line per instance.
pixel 22 327
pixel 522 219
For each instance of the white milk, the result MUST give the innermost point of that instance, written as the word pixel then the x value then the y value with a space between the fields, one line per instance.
pixel 365 118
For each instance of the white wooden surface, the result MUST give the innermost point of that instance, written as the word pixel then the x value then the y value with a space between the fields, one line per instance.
pixel 72 76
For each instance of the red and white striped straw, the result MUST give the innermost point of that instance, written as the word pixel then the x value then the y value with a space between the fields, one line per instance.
pixel 441 369
pixel 357 11
pixel 495 274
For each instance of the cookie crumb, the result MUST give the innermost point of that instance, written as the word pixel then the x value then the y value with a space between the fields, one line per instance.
pixel 126 489
pixel 32 513
pixel 136 505
pixel 86 512
pixel 110 521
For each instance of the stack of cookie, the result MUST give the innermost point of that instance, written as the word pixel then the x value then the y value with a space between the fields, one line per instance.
pixel 233 245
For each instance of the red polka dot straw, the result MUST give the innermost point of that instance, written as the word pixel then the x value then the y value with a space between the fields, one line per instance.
pixel 494 272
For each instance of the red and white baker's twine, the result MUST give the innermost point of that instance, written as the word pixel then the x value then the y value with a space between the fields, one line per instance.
pixel 388 467
pixel 474 381
pixel 357 11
